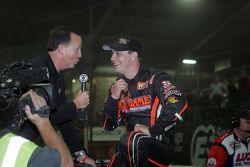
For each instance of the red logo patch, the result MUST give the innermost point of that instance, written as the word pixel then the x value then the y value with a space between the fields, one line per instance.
pixel 135 104
pixel 142 85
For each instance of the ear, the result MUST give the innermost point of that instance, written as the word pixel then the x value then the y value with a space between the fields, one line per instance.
pixel 134 55
pixel 61 49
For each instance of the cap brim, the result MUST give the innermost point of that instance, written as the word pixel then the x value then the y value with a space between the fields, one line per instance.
pixel 106 47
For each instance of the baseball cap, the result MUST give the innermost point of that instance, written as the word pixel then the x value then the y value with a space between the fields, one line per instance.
pixel 124 44
pixel 244 112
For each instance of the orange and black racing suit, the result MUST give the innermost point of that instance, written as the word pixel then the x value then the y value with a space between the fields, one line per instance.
pixel 152 100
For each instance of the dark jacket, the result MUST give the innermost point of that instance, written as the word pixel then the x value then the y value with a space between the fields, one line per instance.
pixel 65 110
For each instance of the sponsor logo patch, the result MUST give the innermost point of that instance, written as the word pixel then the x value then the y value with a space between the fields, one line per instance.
pixel 172 92
pixel 141 103
pixel 211 162
pixel 166 83
pixel 169 89
pixel 123 41
pixel 172 100
pixel 142 85
pixel 243 157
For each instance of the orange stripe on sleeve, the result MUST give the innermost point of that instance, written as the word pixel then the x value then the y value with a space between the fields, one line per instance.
pixel 104 124
pixel 182 110
pixel 112 160
pixel 153 111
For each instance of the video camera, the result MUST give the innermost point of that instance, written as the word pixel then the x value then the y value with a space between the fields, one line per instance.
pixel 15 80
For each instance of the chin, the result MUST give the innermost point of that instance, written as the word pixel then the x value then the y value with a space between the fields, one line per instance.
pixel 72 66
pixel 118 71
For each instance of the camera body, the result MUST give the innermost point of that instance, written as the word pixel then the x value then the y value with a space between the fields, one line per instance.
pixel 15 80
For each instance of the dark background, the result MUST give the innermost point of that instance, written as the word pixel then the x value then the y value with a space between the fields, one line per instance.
pixel 169 30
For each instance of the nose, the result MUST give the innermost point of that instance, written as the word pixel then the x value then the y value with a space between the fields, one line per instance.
pixel 79 53
pixel 113 57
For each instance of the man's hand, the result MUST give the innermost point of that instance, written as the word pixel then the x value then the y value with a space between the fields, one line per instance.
pixel 142 128
pixel 49 135
pixel 117 88
pixel 90 161
pixel 81 100
pixel 38 102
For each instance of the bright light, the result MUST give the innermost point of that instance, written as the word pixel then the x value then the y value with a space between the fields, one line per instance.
pixel 73 80
pixel 190 1
pixel 188 61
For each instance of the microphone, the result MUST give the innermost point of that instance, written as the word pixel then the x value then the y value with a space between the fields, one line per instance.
pixel 123 92
pixel 82 113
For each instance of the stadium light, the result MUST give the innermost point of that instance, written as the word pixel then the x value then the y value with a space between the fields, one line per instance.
pixel 189 61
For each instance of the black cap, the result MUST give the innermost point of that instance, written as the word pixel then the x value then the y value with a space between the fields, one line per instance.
pixel 124 44
pixel 244 112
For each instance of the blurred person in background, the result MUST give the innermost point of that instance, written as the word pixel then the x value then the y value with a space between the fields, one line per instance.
pixel 233 148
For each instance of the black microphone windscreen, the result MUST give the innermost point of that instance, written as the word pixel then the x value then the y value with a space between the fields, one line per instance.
pixel 120 77
pixel 84 69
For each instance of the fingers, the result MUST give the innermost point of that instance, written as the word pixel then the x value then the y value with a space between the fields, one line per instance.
pixel 38 101
pixel 90 161
pixel 121 84
pixel 137 128
pixel 81 100
pixel 117 88
pixel 28 111
pixel 142 129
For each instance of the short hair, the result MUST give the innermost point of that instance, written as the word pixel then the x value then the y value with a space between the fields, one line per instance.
pixel 60 35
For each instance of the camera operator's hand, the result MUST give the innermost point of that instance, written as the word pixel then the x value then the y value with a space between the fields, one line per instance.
pixel 49 135
pixel 81 100
pixel 38 102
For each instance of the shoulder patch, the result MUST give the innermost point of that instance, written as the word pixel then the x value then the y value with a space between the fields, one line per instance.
pixel 171 100
pixel 211 162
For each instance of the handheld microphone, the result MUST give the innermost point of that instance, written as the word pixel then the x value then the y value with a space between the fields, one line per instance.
pixel 82 113
pixel 123 92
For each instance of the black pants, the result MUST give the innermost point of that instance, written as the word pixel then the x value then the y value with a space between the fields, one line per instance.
pixel 139 150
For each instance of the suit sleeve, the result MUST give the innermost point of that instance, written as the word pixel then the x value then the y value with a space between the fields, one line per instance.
pixel 217 156
pixel 173 104
pixel 109 114
pixel 64 112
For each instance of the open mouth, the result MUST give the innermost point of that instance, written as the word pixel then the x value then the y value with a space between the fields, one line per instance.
pixel 115 65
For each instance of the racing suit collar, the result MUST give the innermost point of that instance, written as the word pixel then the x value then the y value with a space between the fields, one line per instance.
pixel 135 79
pixel 238 139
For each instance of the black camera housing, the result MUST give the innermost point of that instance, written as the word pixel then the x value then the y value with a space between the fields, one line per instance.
pixel 15 80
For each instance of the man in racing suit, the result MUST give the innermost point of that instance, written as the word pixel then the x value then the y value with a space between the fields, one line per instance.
pixel 233 148
pixel 147 102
